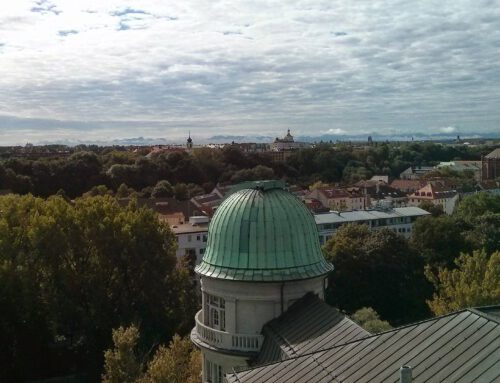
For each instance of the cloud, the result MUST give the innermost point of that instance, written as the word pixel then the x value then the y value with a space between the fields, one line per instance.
pixel 258 67
pixel 45 6
pixel 68 32
pixel 448 129
pixel 335 131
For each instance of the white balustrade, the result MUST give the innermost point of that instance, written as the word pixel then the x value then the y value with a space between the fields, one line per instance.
pixel 225 340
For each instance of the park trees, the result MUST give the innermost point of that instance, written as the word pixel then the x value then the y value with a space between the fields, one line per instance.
pixel 439 239
pixel 71 272
pixel 474 282
pixel 162 189
pixel 179 362
pixel 368 318
pixel 376 269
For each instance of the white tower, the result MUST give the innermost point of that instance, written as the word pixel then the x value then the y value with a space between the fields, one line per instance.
pixel 263 254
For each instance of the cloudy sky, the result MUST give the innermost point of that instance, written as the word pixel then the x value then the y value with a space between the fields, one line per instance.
pixel 106 69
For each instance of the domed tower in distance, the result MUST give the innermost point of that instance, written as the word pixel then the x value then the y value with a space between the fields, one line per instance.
pixel 189 142
pixel 263 254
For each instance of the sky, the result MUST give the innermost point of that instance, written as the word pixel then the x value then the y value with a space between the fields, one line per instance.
pixel 101 70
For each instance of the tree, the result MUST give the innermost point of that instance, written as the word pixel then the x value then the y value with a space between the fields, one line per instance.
pixel 99 190
pixel 180 362
pixel 368 318
pixel 181 192
pixel 259 172
pixel 477 205
pixel 123 191
pixel 121 364
pixel 376 269
pixel 439 239
pixel 318 185
pixel 162 189
pixel 435 210
pixel 484 232
pixel 70 272
pixel 475 282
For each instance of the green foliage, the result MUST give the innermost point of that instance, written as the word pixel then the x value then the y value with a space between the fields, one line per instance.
pixel 475 282
pixel 124 191
pixel 89 166
pixel 376 269
pixel 474 206
pixel 99 190
pixel 484 232
pixel 121 364
pixel 318 185
pixel 435 210
pixel 162 189
pixel 439 239
pixel 180 362
pixel 257 173
pixel 70 272
pixel 181 192
pixel 368 318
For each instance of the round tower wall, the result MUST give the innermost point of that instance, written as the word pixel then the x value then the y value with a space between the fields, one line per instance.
pixel 249 306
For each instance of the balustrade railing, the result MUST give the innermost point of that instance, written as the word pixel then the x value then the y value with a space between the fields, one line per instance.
pixel 226 340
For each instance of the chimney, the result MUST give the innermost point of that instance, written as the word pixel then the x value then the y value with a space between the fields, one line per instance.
pixel 405 374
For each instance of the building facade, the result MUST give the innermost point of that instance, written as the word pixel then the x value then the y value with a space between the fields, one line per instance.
pixel 437 195
pixel 490 166
pixel 192 238
pixel 399 220
pixel 341 199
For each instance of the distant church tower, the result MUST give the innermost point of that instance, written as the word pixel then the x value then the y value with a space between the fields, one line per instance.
pixel 189 143
pixel 263 254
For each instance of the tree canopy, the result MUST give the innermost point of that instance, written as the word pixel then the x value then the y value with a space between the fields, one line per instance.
pixel 71 272
pixel 376 269
pixel 368 318
pixel 474 282
pixel 180 362
pixel 89 166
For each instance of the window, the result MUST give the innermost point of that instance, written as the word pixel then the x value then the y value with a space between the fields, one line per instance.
pixel 219 374
pixel 215 317
pixel 204 238
pixel 217 312
pixel 189 238
pixel 208 371
pixel 202 251
pixel 213 372
pixel 198 238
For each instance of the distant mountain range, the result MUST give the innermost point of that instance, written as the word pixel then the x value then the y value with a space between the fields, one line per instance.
pixel 222 139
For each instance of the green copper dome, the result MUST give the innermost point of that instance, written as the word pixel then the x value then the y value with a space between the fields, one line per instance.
pixel 263 233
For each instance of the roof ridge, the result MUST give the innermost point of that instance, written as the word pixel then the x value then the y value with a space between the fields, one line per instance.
pixel 362 339
pixel 477 311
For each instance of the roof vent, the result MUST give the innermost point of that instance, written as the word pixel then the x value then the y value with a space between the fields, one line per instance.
pixel 405 374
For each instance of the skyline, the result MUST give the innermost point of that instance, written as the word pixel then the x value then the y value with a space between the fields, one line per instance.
pixel 156 69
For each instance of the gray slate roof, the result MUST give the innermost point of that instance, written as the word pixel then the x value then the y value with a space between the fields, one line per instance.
pixel 459 347
pixel 367 215
pixel 494 154
pixel 308 325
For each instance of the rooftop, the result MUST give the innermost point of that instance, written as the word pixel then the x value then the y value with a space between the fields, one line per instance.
pixel 308 325
pixel 459 347
pixel 494 154
pixel 263 233
pixel 188 228
pixel 366 215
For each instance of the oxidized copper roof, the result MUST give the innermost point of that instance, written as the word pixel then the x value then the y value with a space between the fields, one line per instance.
pixel 263 233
